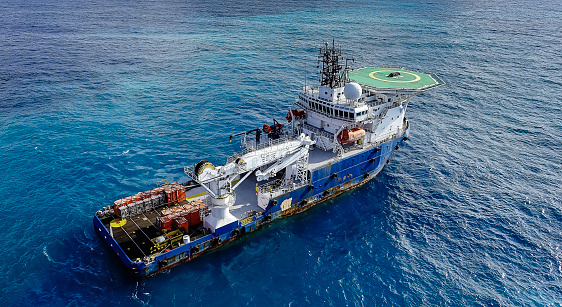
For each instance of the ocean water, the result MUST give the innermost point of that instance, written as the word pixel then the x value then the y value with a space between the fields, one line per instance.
pixel 101 99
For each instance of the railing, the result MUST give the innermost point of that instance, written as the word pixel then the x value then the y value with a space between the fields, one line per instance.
pixel 379 118
pixel 279 186
pixel 354 119
pixel 317 131
pixel 389 136
pixel 380 140
pixel 269 143
pixel 270 186
pixel 330 105
pixel 189 172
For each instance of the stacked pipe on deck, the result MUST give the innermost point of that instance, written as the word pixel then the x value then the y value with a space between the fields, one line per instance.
pixel 145 201
pixel 183 216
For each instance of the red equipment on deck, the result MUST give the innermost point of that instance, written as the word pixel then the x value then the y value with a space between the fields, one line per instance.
pixel 350 135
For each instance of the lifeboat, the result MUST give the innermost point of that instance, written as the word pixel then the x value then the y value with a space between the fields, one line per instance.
pixel 266 128
pixel 296 114
pixel 350 135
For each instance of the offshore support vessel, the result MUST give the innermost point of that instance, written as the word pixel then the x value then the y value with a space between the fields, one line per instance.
pixel 339 136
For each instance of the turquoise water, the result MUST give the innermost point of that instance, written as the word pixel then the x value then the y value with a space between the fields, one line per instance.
pixel 99 100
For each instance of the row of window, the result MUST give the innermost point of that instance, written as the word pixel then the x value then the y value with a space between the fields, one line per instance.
pixel 325 109
pixel 334 112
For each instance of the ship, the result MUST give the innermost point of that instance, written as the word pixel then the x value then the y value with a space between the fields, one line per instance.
pixel 337 136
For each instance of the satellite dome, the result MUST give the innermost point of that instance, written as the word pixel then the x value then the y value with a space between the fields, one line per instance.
pixel 352 91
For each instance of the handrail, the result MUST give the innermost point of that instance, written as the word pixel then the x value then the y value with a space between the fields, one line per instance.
pixel 269 143
pixel 333 104
pixel 279 185
pixel 318 131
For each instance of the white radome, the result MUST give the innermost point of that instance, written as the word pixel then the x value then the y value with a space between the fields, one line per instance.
pixel 352 91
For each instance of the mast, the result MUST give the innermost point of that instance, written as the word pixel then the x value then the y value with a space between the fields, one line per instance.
pixel 331 69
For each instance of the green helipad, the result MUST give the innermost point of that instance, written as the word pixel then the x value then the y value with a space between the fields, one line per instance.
pixel 394 78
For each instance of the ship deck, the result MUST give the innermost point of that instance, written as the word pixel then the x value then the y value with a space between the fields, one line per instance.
pixel 135 234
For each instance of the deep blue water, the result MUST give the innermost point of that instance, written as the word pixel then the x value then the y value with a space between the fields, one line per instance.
pixel 101 99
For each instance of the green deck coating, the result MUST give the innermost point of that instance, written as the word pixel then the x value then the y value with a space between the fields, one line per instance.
pixel 378 77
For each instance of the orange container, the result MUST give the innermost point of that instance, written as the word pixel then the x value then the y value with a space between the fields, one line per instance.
pixel 194 217
pixel 203 209
pixel 185 214
pixel 127 200
pixel 179 212
pixel 166 212
pixel 181 193
pixel 171 196
pixel 116 204
pixel 136 197
pixel 181 222
pixel 175 192
pixel 168 196
pixel 164 222
pixel 174 196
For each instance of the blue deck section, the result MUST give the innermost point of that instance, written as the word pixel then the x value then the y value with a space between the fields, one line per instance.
pixel 336 177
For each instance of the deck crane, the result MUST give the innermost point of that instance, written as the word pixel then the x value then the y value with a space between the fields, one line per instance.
pixel 218 181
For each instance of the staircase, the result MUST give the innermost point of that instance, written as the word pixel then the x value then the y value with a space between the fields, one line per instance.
pixel 379 119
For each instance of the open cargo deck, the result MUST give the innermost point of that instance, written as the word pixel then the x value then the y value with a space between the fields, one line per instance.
pixel 138 235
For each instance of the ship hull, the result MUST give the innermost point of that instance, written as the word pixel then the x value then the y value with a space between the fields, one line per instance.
pixel 327 181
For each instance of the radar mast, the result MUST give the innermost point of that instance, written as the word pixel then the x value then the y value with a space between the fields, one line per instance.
pixel 329 56
pixel 332 75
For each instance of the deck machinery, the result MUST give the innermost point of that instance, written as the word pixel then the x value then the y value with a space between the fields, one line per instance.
pixel 339 135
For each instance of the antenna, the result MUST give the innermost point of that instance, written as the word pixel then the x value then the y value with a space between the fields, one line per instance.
pixel 347 69
pixel 330 56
